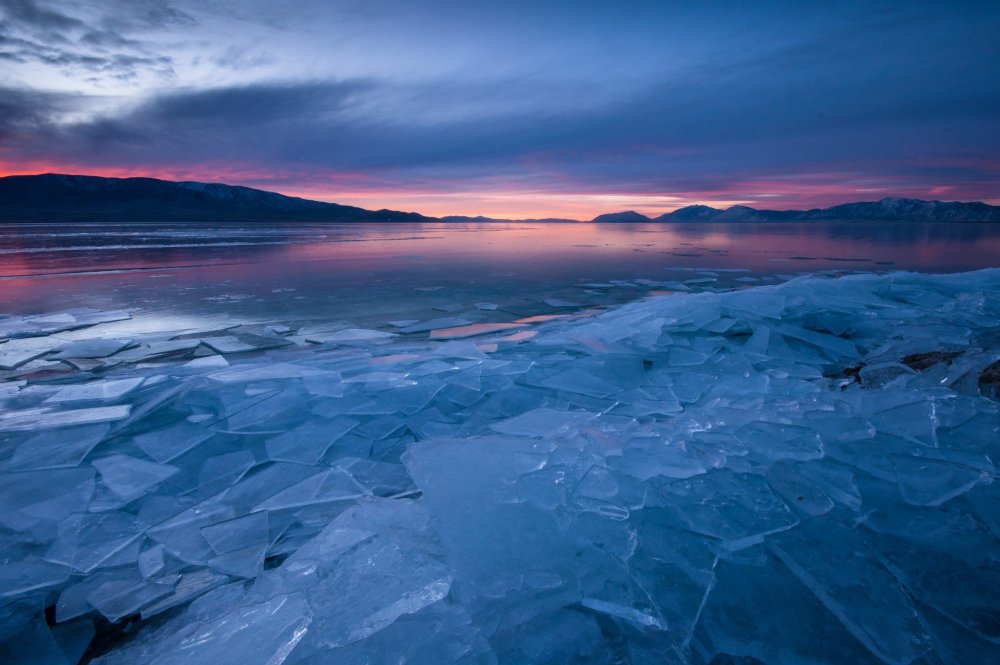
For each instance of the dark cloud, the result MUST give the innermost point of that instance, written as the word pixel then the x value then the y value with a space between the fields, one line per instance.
pixel 23 113
pixel 695 133
pixel 97 50
pixel 847 97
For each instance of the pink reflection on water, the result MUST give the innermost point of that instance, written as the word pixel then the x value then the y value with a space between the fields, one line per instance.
pixel 38 267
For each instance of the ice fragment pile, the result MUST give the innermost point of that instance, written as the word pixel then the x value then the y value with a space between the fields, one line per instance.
pixel 792 474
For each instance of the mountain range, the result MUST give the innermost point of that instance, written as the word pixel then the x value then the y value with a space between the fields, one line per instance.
pixel 888 209
pixel 78 198
pixel 55 197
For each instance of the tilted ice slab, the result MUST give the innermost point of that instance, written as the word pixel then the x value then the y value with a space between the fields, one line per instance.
pixel 792 474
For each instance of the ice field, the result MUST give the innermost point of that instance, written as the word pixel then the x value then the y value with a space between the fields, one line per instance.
pixel 784 474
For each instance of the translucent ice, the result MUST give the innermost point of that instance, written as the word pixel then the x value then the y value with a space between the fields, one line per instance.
pixel 96 390
pixel 130 477
pixel 781 474
pixel 93 348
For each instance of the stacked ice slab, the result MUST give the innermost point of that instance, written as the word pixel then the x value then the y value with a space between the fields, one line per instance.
pixel 786 475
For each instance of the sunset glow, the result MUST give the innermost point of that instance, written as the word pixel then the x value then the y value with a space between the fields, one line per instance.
pixel 480 114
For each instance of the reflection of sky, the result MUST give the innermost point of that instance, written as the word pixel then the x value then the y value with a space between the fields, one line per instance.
pixel 377 265
pixel 513 109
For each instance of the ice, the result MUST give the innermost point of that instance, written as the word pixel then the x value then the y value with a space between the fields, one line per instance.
pixel 334 485
pixel 37 500
pixel 109 390
pixel 93 348
pixel 165 444
pixel 208 361
pixel 462 481
pixel 238 533
pixel 263 633
pixel 58 448
pixel 227 344
pixel 737 508
pixel 31 575
pixel 435 324
pixel 930 482
pixel 87 541
pixel 349 335
pixel 46 418
pixel 119 598
pixel 541 422
pixel 800 473
pixel 151 561
pixel 841 574
pixel 15 353
pixel 309 442
pixel 576 380
pixel 55 322
pixel 244 562
pixel 36 644
pixel 130 477
pixel 771 440
pixel 457 332
pixel 189 586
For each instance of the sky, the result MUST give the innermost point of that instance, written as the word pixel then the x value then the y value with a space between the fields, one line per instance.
pixel 512 109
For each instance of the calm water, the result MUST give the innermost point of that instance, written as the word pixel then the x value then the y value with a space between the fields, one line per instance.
pixel 372 273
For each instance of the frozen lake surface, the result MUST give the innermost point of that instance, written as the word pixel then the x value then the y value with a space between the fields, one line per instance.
pixel 375 273
pixel 508 444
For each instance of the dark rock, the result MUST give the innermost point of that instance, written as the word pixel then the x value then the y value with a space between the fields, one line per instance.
pixel 989 381
pixel 921 361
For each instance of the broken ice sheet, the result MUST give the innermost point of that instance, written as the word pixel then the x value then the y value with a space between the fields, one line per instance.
pixel 237 533
pixel 542 422
pixel 309 442
pixel 48 418
pixel 86 541
pixel 227 344
pixel 15 353
pixel 837 565
pixel 325 487
pixel 349 335
pixel 457 332
pixel 245 562
pixel 355 566
pixel 131 477
pixel 577 380
pixel 163 445
pixel 28 575
pixel 107 390
pixel 738 508
pixel 37 500
pixel 633 505
pixel 93 348
pixel 772 440
pixel 265 632
pixel 119 598
pixel 624 612
pixel 930 482
pixel 58 448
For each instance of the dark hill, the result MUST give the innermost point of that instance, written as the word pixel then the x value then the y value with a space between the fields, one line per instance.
pixel 77 198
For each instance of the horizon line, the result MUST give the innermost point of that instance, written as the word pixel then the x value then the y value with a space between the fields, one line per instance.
pixel 338 199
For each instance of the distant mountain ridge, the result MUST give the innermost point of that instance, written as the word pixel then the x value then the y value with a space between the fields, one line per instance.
pixel 55 197
pixel 885 210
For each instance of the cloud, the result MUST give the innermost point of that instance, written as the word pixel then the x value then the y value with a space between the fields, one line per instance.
pixel 838 99
pixel 24 112
pixel 95 44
